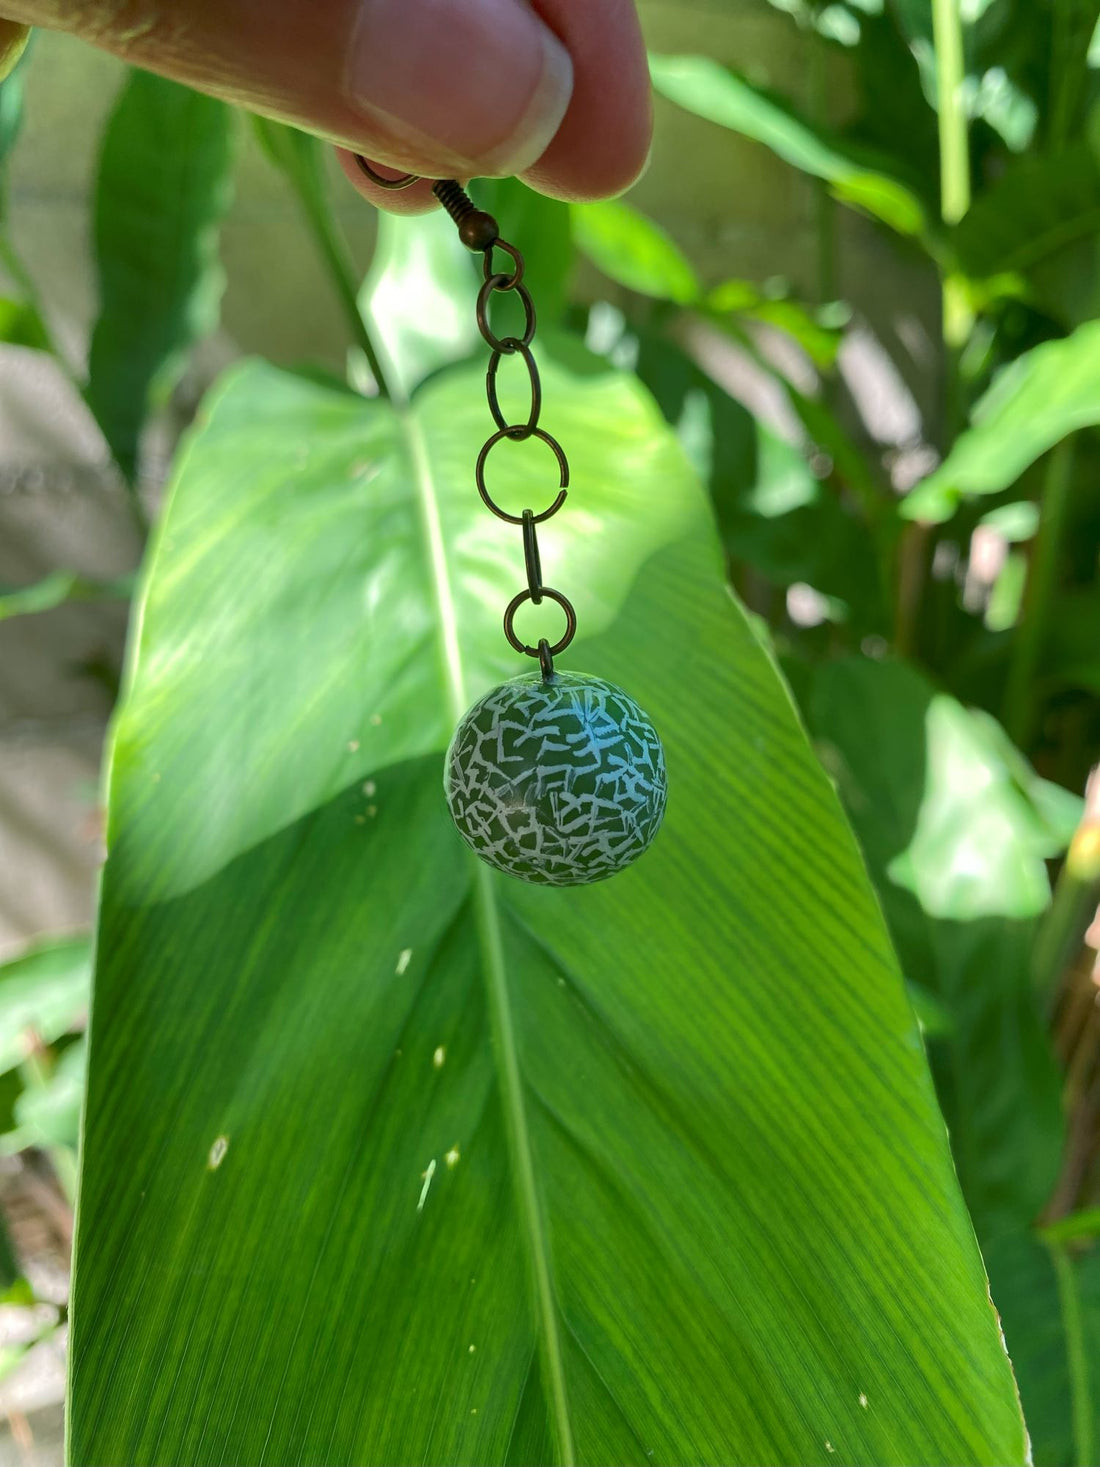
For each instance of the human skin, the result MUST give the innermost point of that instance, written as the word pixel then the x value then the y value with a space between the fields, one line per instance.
pixel 556 91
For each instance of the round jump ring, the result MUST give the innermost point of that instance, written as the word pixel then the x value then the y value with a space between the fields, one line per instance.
pixel 403 180
pixel 510 281
pixel 510 345
pixel 497 282
pixel 567 636
pixel 563 466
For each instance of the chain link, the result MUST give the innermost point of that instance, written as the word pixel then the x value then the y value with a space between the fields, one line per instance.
pixel 508 346
pixel 479 232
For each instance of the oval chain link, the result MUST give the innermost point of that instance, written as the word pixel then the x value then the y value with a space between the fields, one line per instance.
pixel 479 232
pixel 508 346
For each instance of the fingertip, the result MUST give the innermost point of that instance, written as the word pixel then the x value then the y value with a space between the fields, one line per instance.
pixel 602 145
pixel 578 174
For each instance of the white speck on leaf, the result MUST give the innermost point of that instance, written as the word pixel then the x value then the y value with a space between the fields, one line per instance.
pixel 403 960
pixel 217 1153
pixel 427 1178
pixel 353 745
pixel 438 1057
pixel 376 719
pixel 863 1400
pixel 370 787
pixel 452 1159
pixel 472 1349
pixel 829 1446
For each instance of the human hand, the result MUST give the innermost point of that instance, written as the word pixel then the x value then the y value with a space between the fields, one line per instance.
pixel 556 91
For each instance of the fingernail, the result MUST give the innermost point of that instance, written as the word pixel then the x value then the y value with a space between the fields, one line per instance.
pixel 482 85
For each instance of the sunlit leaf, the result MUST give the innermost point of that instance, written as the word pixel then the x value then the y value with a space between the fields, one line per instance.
pixel 819 337
pixel 634 251
pixel 702 86
pixel 1043 396
pixel 459 1169
pixel 416 296
pixel 44 994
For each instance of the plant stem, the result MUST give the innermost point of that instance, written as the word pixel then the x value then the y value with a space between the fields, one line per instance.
pixel 1030 635
pixel 1076 1353
pixel 917 542
pixel 958 317
pixel 954 146
pixel 334 252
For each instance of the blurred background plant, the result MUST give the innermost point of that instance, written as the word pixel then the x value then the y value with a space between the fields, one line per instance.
pixel 860 282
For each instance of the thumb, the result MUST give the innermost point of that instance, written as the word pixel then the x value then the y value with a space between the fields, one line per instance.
pixel 439 87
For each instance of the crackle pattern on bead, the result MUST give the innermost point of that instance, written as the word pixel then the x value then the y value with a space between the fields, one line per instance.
pixel 560 781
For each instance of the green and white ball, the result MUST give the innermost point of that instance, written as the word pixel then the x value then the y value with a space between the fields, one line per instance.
pixel 558 780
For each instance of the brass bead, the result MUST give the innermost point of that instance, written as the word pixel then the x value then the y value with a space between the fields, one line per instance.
pixel 478 230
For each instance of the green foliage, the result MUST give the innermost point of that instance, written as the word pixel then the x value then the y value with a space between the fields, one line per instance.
pixel 1036 208
pixel 163 187
pixel 631 249
pixel 44 997
pixel 45 993
pixel 1045 395
pixel 702 86
pixel 651 1169
pixel 308 971
pixel 59 587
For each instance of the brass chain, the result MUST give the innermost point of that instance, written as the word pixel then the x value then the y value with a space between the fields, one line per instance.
pixel 479 232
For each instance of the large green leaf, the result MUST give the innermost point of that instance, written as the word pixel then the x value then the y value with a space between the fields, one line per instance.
pixel 1046 394
pixel 956 835
pixel 704 87
pixel 161 193
pixel 390 1159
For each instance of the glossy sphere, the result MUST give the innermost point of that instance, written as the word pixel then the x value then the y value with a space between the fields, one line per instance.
pixel 478 230
pixel 560 781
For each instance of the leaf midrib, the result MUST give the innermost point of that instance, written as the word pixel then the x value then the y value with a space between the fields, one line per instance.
pixel 494 967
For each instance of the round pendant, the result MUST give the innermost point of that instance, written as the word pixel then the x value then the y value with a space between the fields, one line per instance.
pixel 559 780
